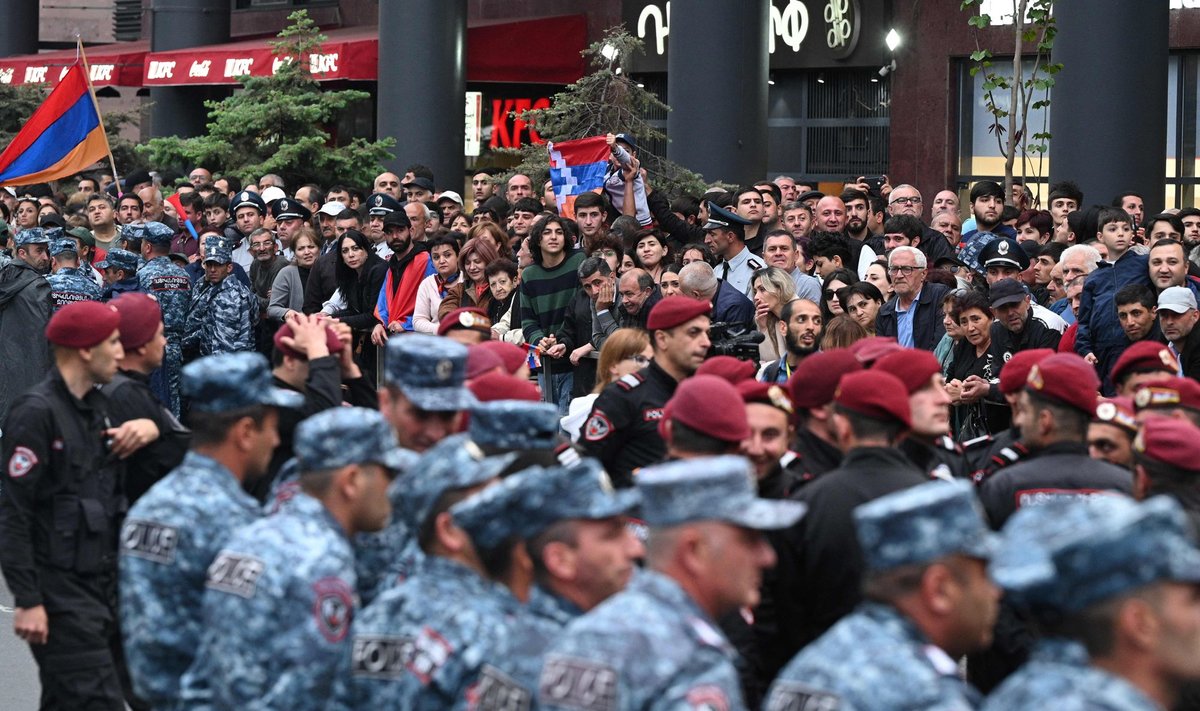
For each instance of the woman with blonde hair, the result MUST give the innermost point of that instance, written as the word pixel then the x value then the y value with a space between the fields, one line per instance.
pixel 627 350
pixel 772 288
pixel 472 289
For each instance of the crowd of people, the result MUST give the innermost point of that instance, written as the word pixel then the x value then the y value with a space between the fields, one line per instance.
pixel 278 446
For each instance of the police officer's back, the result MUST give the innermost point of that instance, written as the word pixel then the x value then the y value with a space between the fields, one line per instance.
pixel 69 283
pixel 170 284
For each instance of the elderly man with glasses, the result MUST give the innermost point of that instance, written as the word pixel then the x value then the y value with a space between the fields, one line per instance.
pixel 913 316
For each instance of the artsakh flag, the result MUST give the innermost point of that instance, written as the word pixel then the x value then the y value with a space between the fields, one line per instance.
pixel 533 357
pixel 63 137
pixel 576 167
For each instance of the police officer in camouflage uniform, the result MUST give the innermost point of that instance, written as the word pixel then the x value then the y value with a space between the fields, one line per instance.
pixel 656 645
pixel 120 273
pixel 280 597
pixel 572 526
pixel 409 643
pixel 68 282
pixel 223 311
pixel 176 530
pixel 168 283
pixel 1121 582
pixel 898 649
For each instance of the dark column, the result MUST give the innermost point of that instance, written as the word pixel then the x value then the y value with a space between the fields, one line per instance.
pixel 421 101
pixel 1108 112
pixel 717 88
pixel 19 30
pixel 179 24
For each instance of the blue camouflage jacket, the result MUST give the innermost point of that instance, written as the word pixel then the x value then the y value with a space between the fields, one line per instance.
pixel 221 318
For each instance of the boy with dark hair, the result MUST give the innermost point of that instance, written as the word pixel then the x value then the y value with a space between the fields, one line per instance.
pixel 1065 198
pixel 828 251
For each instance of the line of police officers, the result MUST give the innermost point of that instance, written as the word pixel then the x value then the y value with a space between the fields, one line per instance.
pixel 405 566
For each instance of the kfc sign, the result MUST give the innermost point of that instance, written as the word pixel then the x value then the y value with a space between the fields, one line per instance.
pixel 507 129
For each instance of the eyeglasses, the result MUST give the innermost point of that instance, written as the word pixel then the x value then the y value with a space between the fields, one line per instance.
pixel 916 200
pixel 906 271
pixel 639 359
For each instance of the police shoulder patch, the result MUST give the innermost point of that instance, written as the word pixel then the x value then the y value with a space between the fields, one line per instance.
pixel 581 684
pixel 379 656
pixel 150 541
pixel 235 573
pixel 793 696
pixel 22 461
pixel 497 691
pixel 707 698
pixel 333 608
pixel 629 381
pixel 597 428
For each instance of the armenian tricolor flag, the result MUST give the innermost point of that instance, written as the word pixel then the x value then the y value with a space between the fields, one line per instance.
pixel 576 167
pixel 63 137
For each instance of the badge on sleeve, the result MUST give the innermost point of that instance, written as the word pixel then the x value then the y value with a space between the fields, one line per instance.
pixel 597 428
pixel 580 684
pixel 333 608
pixel 786 695
pixel 707 698
pixel 497 691
pixel 22 461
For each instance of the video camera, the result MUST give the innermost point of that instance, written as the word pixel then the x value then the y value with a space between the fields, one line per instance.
pixel 734 339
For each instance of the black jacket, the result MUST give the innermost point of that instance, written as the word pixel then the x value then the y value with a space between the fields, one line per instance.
pixel 130 398
pixel 622 430
pixel 25 308
pixel 322 282
pixel 927 323
pixel 818 576
pixel 1190 356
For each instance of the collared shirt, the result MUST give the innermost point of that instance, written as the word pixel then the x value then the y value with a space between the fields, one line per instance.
pixel 904 321
pixel 739 270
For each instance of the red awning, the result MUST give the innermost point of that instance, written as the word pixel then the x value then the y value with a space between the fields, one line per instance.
pixel 544 50
pixel 119 64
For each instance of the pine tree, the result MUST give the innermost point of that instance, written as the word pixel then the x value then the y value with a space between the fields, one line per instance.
pixel 605 101
pixel 276 124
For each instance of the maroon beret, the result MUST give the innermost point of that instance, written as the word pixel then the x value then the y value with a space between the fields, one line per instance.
pixel 1168 392
pixel 1016 371
pixel 140 317
pixel 500 386
pixel 771 394
pixel 1170 441
pixel 876 394
pixel 332 342
pixel 511 355
pixel 82 324
pixel 870 349
pixel 913 367
pixel 481 361
pixel 732 369
pixel 467 318
pixel 1118 412
pixel 1145 357
pixel 816 378
pixel 711 406
pixel 1067 379
pixel 674 311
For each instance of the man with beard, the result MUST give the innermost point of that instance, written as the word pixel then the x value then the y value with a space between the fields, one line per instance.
pixel 1177 317
pixel 858 219
pixel 987 203
pixel 25 309
pixel 483 186
pixel 407 266
pixel 379 206
pixel 800 322
pixel 830 216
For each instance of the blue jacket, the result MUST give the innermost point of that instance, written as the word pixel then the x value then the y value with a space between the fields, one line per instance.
pixel 1099 330
pixel 731 305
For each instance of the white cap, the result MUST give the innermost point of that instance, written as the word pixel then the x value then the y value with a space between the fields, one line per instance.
pixel 450 195
pixel 1179 299
pixel 271 194
pixel 333 208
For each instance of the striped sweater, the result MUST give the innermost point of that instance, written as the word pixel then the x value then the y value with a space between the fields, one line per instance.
pixel 545 296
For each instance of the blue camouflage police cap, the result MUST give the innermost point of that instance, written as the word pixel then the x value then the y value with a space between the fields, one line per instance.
pixel 30 235
pixel 453 463
pixel 216 249
pixel 157 233
pixel 530 501
pixel 339 436
pixel 134 230
pixel 1149 543
pixel 232 381
pixel 921 524
pixel 247 198
pixel 710 489
pixel 1022 564
pixel 63 244
pixel 119 259
pixel 720 218
pixel 515 424
pixel 429 370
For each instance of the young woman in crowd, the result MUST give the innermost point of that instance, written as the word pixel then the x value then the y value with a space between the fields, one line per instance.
pixel 650 253
pixel 772 288
pixel 861 302
pixel 830 305
pixel 472 288
pixel 360 273
pixel 877 274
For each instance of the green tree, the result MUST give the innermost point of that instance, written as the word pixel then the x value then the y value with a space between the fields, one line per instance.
pixel 607 101
pixel 276 124
pixel 1009 97
pixel 17 104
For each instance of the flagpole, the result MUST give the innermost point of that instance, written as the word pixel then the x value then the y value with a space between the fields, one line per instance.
pixel 87 75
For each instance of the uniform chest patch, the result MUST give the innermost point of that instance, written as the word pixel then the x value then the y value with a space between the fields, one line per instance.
pixel 654 414
pixel 333 608
pixel 380 656
pixel 707 698
pixel 789 696
pixel 1037 497
pixel 578 684
pixel 150 541
pixel 597 428
pixel 497 691
pixel 235 574
pixel 22 461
